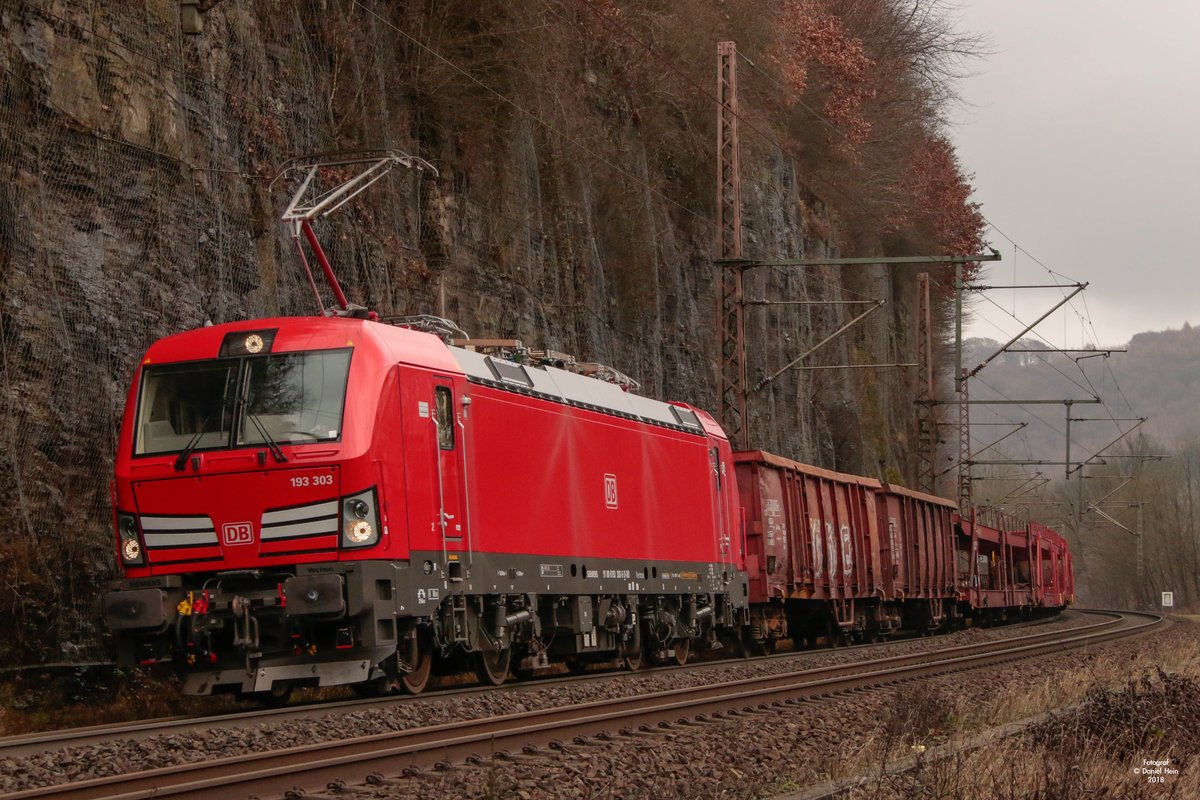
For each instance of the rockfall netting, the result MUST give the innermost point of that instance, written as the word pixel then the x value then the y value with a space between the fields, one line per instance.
pixel 573 211
pixel 134 203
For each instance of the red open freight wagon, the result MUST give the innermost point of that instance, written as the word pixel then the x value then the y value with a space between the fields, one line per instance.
pixel 1012 567
pixel 831 553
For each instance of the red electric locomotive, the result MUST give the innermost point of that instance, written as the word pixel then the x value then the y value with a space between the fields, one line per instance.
pixel 333 500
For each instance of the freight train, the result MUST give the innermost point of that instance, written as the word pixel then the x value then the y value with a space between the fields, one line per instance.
pixel 316 501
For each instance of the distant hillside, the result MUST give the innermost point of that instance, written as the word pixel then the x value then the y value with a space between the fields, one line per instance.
pixel 1159 378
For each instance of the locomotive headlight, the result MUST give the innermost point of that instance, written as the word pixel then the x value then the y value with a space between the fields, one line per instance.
pixel 360 532
pixel 131 550
pixel 131 543
pixel 360 519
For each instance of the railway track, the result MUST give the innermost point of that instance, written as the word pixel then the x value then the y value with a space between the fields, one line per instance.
pixel 369 758
pixel 29 744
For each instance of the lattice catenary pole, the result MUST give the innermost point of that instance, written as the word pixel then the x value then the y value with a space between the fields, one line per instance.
pixel 927 430
pixel 731 332
pixel 965 478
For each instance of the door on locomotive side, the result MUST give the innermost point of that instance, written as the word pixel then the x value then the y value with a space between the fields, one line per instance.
pixel 722 541
pixel 451 515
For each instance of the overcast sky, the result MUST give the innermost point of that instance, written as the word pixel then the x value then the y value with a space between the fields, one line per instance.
pixel 1083 134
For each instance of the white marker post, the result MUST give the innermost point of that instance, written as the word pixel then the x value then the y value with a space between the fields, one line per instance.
pixel 1168 600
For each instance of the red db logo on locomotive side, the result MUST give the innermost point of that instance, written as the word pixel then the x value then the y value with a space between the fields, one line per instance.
pixel 610 491
pixel 234 533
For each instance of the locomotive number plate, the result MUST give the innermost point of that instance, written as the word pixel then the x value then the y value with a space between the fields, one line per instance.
pixel 301 481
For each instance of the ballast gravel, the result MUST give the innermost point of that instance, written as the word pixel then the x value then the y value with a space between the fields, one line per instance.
pixel 770 736
pixel 762 754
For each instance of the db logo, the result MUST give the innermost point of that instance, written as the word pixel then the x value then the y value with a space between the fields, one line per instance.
pixel 610 491
pixel 233 533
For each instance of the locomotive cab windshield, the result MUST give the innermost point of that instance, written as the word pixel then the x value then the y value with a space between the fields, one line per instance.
pixel 249 401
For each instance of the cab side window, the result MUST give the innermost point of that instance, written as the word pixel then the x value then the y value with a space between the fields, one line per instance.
pixel 444 401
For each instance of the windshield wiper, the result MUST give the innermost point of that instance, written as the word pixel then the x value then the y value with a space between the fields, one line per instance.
pixel 272 445
pixel 181 461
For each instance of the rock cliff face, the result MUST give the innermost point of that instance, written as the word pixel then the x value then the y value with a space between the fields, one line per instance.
pixel 573 211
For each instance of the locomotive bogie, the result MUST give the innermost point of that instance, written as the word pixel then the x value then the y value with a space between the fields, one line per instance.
pixel 768 624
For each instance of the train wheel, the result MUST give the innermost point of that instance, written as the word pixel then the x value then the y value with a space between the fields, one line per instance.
pixel 764 647
pixel 492 666
pixel 832 633
pixel 681 648
pixel 735 643
pixel 740 648
pixel 415 681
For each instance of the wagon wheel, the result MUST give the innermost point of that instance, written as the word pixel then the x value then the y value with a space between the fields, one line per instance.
pixel 492 666
pixel 735 642
pixel 415 680
pixel 764 647
pixel 681 648
pixel 833 634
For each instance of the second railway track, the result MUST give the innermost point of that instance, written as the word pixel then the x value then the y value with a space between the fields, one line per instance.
pixel 22 745
pixel 316 765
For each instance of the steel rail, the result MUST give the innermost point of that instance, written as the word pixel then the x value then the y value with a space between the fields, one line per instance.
pixel 22 745
pixel 316 765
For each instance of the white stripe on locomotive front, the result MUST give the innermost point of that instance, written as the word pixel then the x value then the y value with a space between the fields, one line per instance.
pixel 177 524
pixel 179 539
pixel 312 528
pixel 303 512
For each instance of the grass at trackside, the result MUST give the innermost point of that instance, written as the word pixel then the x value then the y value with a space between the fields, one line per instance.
pixel 1128 709
pixel 41 700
